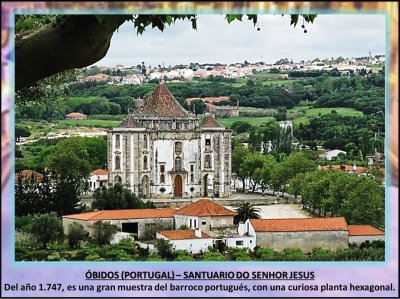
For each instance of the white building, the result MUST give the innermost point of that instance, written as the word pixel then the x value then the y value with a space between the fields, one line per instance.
pixel 361 233
pixel 204 214
pixel 304 233
pixel 133 221
pixel 97 179
pixel 161 151
pixel 192 240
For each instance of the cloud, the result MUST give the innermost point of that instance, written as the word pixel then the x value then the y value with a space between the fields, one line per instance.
pixel 215 40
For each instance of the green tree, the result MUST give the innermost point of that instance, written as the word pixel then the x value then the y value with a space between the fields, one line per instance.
pixel 365 204
pixel 246 210
pixel 76 233
pixel 103 231
pixel 47 228
pixel 116 198
pixel 21 132
pixel 241 127
pixel 295 184
pixel 239 153
pixel 251 163
pixel 70 168
pixel 114 108
pixel 263 176
pixel 294 164
pixel 197 106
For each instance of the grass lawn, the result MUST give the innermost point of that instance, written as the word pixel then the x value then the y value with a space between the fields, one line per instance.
pixel 90 122
pixel 315 112
pixel 255 121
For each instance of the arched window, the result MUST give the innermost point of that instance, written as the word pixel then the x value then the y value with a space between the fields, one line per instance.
pixel 208 161
pixel 117 163
pixel 178 164
pixel 145 141
pixel 162 178
pixel 145 162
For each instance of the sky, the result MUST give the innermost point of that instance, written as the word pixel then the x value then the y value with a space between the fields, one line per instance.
pixel 216 41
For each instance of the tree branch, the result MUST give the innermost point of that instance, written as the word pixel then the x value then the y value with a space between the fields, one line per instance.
pixel 73 41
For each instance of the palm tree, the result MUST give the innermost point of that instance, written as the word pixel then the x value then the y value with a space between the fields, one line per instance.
pixel 246 211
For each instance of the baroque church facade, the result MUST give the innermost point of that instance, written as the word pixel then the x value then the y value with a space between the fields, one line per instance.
pixel 161 151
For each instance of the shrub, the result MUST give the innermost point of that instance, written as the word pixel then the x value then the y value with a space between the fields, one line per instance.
pixel 182 255
pixel 102 232
pixel 213 256
pixel 183 227
pixel 266 254
pixel 76 233
pixel 24 223
pixel 164 248
pixel 151 230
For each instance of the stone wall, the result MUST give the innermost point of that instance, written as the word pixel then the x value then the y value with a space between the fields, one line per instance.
pixel 304 240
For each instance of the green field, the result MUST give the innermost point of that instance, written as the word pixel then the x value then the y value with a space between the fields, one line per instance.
pixel 255 121
pixel 315 112
pixel 100 123
pixel 264 78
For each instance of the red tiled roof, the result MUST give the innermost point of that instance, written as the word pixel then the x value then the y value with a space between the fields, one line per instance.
pixel 99 172
pixel 210 122
pixel 162 103
pixel 26 176
pixel 75 114
pixel 123 214
pixel 183 234
pixel 348 168
pixel 129 122
pixel 204 207
pixel 364 230
pixel 299 224
pixel 209 99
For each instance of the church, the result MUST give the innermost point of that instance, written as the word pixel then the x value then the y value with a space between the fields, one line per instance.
pixel 161 151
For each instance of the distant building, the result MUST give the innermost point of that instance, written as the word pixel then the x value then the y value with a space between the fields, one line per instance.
pixel 95 78
pixel 132 221
pixel 97 179
pixel 228 111
pixel 361 233
pixel 211 100
pixel 377 159
pixel 75 115
pixel 329 155
pixel 204 214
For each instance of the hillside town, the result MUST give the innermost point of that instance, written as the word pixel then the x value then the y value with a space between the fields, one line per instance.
pixel 121 75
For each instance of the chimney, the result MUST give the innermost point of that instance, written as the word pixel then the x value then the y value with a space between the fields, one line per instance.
pixel 354 167
pixel 197 232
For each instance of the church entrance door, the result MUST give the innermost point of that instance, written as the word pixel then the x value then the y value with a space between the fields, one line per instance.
pixel 178 186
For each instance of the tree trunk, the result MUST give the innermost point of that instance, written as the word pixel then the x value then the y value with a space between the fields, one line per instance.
pixel 73 41
pixel 244 184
